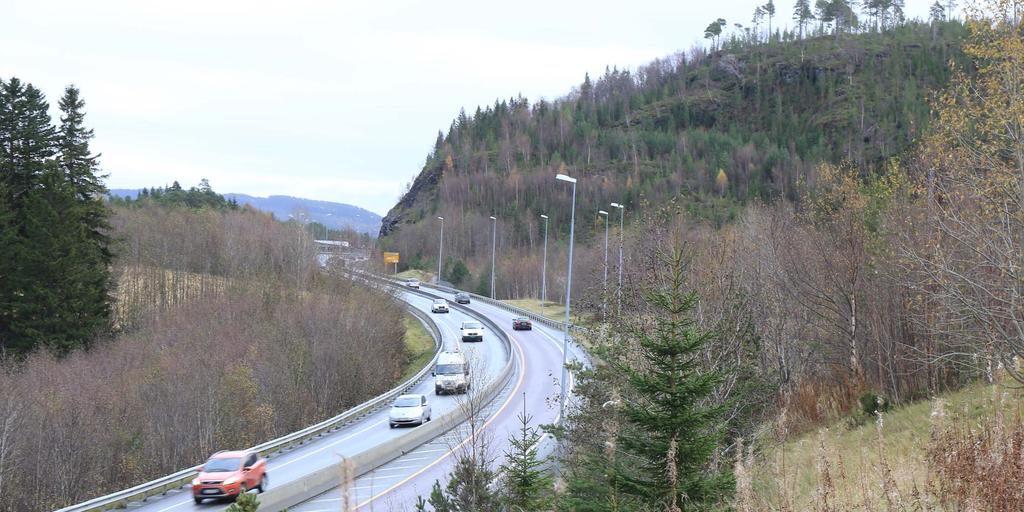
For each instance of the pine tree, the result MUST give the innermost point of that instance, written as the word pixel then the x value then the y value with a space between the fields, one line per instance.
pixel 669 425
pixel 526 485
pixel 769 10
pixel 802 14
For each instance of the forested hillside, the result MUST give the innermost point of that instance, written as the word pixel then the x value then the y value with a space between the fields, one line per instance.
pixel 749 120
pixel 882 282
pixel 115 316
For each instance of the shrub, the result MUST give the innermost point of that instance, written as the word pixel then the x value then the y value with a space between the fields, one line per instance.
pixel 872 403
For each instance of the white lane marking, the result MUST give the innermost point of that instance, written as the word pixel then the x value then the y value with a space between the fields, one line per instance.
pixel 314 452
pixel 394 468
pixel 508 400
pixel 432 451
pixel 173 506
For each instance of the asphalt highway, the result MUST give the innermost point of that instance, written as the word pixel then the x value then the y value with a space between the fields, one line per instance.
pixel 397 484
pixel 487 358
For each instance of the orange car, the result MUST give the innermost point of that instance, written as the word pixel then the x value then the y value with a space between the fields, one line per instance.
pixel 229 474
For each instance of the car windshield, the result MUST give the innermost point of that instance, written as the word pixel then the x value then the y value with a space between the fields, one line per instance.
pixel 521 319
pixel 409 401
pixel 220 465
pixel 449 369
pixel 471 325
pixel 438 302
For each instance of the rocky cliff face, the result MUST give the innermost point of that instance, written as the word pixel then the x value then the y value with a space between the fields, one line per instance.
pixel 411 208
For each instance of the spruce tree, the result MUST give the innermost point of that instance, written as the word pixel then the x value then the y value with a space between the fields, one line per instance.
pixel 54 250
pixel 468 487
pixel 671 430
pixel 526 484
pixel 26 138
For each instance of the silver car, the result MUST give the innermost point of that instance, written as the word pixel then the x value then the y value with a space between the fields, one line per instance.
pixel 409 410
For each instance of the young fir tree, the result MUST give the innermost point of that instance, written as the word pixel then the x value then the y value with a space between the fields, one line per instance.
pixel 526 484
pixel 468 487
pixel 670 429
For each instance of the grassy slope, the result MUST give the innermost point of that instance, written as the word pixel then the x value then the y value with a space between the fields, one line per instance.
pixel 858 456
pixel 551 309
pixel 418 344
pixel 412 273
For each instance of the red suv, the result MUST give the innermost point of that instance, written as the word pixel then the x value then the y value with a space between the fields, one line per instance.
pixel 229 474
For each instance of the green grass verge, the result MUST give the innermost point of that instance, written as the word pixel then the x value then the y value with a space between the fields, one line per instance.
pixel 419 345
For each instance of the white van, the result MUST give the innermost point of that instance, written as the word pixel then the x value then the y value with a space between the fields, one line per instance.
pixel 451 374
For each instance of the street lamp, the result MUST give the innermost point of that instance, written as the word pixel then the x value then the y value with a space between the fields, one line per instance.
pixel 494 244
pixel 568 298
pixel 604 300
pixel 618 291
pixel 544 268
pixel 440 250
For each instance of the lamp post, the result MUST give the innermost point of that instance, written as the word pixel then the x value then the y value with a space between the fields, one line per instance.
pixel 544 268
pixel 568 299
pixel 604 296
pixel 494 245
pixel 440 250
pixel 618 291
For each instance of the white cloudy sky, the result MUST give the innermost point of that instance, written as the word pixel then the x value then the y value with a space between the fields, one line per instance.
pixel 332 100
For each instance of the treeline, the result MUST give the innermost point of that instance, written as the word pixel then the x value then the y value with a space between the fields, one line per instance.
pixel 750 122
pixel 54 243
pixel 201 196
pixel 866 291
pixel 226 327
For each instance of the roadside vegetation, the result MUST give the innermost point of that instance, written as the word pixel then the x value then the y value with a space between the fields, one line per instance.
pixel 864 303
pixel 223 322
pixel 139 337
pixel 419 346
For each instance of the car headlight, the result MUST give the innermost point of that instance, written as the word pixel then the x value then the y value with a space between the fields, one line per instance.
pixel 231 481
pixel 195 482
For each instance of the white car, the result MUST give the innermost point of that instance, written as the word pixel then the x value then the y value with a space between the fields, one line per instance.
pixel 451 373
pixel 472 331
pixel 409 410
pixel 413 283
pixel 439 306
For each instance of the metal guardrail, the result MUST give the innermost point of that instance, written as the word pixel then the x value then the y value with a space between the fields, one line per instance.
pixel 181 478
pixel 322 480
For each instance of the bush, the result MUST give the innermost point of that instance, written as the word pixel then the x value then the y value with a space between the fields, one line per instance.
pixel 872 403
pixel 245 503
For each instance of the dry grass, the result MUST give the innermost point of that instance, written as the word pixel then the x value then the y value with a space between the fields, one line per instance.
pixel 551 310
pixel 413 273
pixel 893 462
pixel 141 290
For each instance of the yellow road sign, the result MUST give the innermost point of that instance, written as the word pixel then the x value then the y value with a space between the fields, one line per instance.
pixel 391 257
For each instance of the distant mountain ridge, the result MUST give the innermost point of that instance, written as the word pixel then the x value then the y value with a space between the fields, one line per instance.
pixel 331 214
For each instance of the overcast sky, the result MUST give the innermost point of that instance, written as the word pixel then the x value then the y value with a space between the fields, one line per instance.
pixel 320 99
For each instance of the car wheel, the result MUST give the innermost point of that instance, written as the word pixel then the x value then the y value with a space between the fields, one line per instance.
pixel 241 490
pixel 264 483
pixel 199 501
